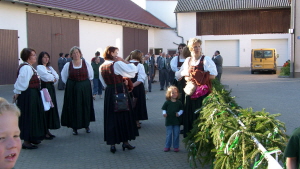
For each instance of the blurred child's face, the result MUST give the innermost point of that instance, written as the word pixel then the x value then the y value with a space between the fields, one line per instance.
pixel 10 142
pixel 174 94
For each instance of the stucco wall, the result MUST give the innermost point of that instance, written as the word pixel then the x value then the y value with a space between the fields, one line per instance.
pixel 163 38
pixel 96 36
pixel 13 17
pixel 187 29
pixel 163 10
pixel 187 25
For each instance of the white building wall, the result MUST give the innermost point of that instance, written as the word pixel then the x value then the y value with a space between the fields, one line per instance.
pixel 163 10
pixel 245 46
pixel 141 3
pixel 96 36
pixel 163 38
pixel 187 25
pixel 187 29
pixel 13 17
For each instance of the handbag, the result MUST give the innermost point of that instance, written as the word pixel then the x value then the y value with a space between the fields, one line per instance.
pixel 120 99
pixel 46 99
pixel 190 88
pixel 200 91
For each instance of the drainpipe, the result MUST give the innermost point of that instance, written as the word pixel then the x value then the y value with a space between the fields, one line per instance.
pixel 292 32
pixel 176 30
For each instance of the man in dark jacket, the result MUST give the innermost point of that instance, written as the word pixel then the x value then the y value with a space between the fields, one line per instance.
pixel 217 58
pixel 61 62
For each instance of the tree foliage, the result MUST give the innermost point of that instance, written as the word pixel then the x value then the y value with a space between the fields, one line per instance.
pixel 219 140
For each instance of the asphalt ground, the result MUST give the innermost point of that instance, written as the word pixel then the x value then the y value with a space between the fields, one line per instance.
pixel 89 151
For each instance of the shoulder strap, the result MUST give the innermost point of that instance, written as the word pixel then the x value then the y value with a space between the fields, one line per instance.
pixel 113 74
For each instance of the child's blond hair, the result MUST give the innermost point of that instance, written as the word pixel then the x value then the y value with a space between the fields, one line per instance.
pixel 169 90
pixel 8 107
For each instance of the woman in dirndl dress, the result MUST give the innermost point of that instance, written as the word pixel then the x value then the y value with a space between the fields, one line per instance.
pixel 196 61
pixel 118 126
pixel 78 108
pixel 138 91
pixel 28 98
pixel 49 77
pixel 176 64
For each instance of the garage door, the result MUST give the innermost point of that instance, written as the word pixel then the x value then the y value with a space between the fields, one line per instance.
pixel 229 50
pixel 281 45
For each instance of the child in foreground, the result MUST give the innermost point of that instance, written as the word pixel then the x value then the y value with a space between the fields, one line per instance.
pixel 172 109
pixel 10 142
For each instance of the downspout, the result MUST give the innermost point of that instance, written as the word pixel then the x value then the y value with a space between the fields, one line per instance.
pixel 176 29
pixel 292 32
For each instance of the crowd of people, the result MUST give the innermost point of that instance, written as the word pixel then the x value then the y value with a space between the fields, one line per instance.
pixel 132 77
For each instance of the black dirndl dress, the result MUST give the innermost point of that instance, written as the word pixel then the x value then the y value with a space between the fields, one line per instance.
pixel 118 126
pixel 78 108
pixel 52 116
pixel 191 105
pixel 138 92
pixel 32 122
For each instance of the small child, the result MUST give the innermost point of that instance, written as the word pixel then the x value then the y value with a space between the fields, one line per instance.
pixel 172 109
pixel 10 142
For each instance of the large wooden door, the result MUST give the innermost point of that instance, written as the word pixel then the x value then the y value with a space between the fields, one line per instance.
pixel 9 56
pixel 134 39
pixel 52 34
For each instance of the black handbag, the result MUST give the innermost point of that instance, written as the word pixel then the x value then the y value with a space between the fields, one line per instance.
pixel 120 99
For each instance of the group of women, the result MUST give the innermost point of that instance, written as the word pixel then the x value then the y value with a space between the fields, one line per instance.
pixel 116 74
pixel 78 109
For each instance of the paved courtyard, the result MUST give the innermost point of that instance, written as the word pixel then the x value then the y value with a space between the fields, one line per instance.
pixel 89 151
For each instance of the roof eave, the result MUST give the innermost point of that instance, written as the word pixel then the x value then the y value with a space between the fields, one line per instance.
pixel 89 14
pixel 240 9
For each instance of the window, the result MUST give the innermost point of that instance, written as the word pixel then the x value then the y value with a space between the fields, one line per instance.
pixel 263 54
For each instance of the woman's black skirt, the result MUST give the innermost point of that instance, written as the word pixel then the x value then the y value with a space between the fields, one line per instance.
pixel 32 121
pixel 141 107
pixel 118 126
pixel 189 116
pixel 78 108
pixel 52 117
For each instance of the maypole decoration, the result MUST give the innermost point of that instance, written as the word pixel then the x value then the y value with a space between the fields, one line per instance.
pixel 227 136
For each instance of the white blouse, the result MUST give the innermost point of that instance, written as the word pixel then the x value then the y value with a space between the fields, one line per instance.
pixel 47 75
pixel 120 68
pixel 23 79
pixel 65 71
pixel 174 65
pixel 208 64
pixel 141 72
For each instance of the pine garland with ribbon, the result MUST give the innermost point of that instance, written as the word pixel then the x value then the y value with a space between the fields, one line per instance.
pixel 218 139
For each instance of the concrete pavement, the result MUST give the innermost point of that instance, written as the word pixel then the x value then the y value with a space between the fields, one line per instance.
pixel 89 151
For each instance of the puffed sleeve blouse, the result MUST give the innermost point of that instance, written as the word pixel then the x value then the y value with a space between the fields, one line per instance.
pixel 208 64
pixel 120 68
pixel 47 75
pixel 174 63
pixel 141 72
pixel 65 71
pixel 22 82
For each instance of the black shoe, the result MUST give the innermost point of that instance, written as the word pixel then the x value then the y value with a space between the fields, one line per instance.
pixel 51 135
pixel 48 138
pixel 149 91
pixel 161 89
pixel 35 142
pixel 128 146
pixel 75 132
pixel 88 130
pixel 29 147
pixel 113 149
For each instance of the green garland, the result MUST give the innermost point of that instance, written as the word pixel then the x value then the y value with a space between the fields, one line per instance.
pixel 217 138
